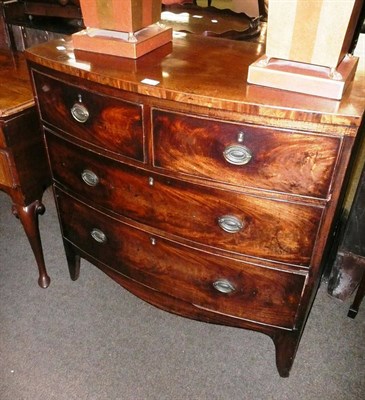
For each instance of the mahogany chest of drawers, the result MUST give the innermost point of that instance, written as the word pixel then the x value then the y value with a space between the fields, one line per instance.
pixel 198 193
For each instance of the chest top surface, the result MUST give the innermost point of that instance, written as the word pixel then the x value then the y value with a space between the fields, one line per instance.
pixel 15 88
pixel 206 72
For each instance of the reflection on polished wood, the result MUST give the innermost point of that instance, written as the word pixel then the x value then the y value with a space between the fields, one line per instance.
pixel 210 21
pixel 24 172
pixel 213 75
pixel 16 91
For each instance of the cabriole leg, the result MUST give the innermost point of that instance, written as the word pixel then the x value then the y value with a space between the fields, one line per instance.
pixel 29 218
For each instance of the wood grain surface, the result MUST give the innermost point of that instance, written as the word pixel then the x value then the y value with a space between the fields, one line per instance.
pixel 15 88
pixel 211 73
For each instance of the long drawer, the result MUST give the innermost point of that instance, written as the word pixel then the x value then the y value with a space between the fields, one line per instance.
pixel 245 155
pixel 232 221
pixel 103 121
pixel 220 284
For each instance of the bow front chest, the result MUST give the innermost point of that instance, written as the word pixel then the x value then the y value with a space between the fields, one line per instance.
pixel 198 193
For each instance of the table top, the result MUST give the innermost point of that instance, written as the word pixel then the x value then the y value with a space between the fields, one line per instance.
pixel 208 72
pixel 15 89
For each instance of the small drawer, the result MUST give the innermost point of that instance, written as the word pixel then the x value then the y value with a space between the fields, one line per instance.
pixel 223 285
pixel 244 155
pixel 103 121
pixel 232 221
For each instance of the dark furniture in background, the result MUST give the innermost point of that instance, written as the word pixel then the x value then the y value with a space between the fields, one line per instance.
pixel 348 269
pixel 4 35
pixel 30 22
pixel 209 2
pixel 24 171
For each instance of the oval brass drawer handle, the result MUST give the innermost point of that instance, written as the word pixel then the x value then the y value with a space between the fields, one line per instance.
pixel 223 286
pixel 230 223
pixel 98 235
pixel 89 177
pixel 237 154
pixel 80 113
